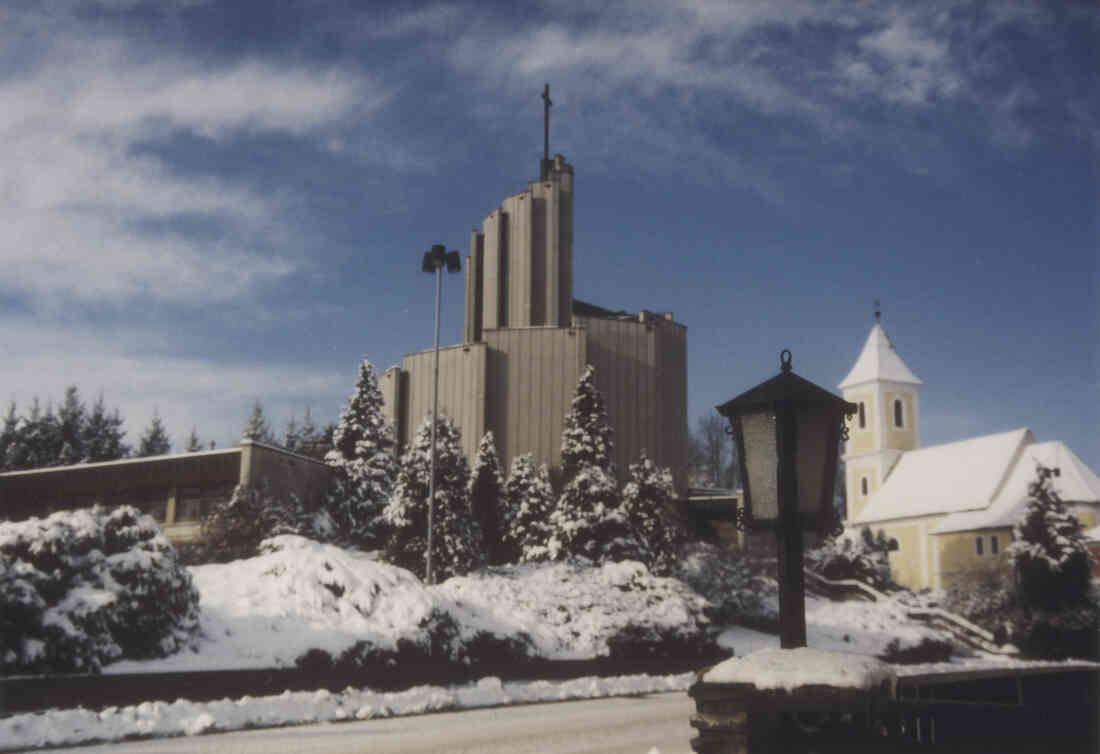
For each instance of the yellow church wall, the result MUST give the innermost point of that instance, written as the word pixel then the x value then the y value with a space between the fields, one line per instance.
pixel 861 440
pixel 856 498
pixel 1087 516
pixel 906 437
pixel 906 561
pixel 958 552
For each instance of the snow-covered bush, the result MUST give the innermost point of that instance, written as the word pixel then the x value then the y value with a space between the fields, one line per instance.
pixel 647 499
pixel 860 557
pixel 235 528
pixel 987 597
pixel 529 501
pixel 456 546
pixel 486 499
pixel 363 463
pixel 734 591
pixel 86 587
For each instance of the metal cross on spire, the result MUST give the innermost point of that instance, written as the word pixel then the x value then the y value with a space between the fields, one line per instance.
pixel 544 173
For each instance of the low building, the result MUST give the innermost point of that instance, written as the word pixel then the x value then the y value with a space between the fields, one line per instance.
pixel 951 507
pixel 177 490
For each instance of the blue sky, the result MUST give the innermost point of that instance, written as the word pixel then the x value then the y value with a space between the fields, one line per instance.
pixel 205 203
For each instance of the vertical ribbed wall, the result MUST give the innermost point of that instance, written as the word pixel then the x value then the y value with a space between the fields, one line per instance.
pixel 462 373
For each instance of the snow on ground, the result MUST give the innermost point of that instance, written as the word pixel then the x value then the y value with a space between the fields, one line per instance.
pixel 184 718
pixel 790 668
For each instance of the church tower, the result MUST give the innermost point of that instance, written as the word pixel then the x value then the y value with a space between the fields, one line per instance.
pixel 887 422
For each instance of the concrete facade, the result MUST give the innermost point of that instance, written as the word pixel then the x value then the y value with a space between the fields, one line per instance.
pixel 527 341
pixel 177 490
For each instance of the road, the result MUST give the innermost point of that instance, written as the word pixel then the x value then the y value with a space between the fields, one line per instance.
pixel 637 725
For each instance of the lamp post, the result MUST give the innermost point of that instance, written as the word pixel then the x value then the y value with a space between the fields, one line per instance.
pixel 787 432
pixel 434 261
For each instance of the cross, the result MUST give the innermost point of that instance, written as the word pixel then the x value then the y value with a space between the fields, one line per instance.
pixel 546 130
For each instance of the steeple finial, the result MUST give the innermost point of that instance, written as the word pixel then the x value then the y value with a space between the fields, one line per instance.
pixel 544 171
pixel 878 311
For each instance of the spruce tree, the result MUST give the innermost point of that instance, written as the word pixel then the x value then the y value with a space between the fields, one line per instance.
pixel 256 427
pixel 589 520
pixel 292 436
pixel 647 498
pixel 362 459
pixel 37 445
pixel 103 434
pixel 71 422
pixel 485 498
pixel 154 441
pixel 194 444
pixel 456 547
pixel 587 437
pixel 9 435
pixel 529 502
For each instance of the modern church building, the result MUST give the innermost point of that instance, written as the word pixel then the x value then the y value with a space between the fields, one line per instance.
pixel 527 341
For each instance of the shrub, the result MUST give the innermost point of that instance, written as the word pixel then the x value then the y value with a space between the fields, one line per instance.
pixel 81 588
pixel 734 592
pixel 235 528
pixel 846 557
pixel 986 597
pixel 929 650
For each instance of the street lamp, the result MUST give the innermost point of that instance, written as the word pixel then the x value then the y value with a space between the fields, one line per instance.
pixel 434 261
pixel 787 432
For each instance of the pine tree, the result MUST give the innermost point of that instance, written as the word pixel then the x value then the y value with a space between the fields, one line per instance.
pixel 309 441
pixel 485 498
pixel 363 462
pixel 38 444
pixel 71 422
pixel 194 444
pixel 589 520
pixel 1049 553
pixel 103 434
pixel 456 547
pixel 529 502
pixel 647 498
pixel 257 428
pixel 154 441
pixel 292 436
pixel 9 435
pixel 587 437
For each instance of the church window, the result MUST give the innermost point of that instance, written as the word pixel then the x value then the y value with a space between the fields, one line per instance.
pixel 897 413
pixel 863 485
pixel 978 544
pixel 862 416
pixel 994 545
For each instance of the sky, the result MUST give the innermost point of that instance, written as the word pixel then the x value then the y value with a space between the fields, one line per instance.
pixel 207 203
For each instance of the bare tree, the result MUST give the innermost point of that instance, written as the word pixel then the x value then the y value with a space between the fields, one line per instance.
pixel 713 445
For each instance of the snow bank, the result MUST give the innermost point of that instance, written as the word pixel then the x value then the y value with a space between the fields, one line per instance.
pixel 789 669
pixel 182 717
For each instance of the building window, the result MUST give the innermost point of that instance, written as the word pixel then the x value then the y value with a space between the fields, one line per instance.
pixel 978 543
pixel 862 416
pixel 994 545
pixel 897 413
pixel 863 485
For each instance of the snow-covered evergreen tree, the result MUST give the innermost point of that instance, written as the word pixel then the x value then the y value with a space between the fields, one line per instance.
pixel 589 519
pixel 154 441
pixel 9 434
pixel 363 463
pixel 587 437
pixel 486 503
pixel 38 444
pixel 103 434
pixel 529 502
pixel 71 420
pixel 456 547
pixel 256 427
pixel 1048 549
pixel 647 498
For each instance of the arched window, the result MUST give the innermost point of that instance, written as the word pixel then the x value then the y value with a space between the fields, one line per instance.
pixel 863 485
pixel 897 412
pixel 862 416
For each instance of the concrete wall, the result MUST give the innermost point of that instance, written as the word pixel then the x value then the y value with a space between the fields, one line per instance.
pixel 284 473
pixel 462 392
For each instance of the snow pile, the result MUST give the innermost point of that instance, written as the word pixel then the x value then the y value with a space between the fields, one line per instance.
pixel 789 669
pixel 572 612
pixel 159 719
pixel 265 612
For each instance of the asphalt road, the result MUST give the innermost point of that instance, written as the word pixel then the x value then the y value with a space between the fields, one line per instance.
pixel 636 725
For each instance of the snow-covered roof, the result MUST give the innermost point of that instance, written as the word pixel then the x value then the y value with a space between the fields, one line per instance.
pixel 1075 482
pixel 131 461
pixel 878 361
pixel 1093 534
pixel 949 478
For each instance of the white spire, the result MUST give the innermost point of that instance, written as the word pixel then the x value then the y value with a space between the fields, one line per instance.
pixel 878 361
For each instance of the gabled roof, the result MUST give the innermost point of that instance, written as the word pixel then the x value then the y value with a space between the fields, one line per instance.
pixel 949 478
pixel 1075 482
pixel 878 361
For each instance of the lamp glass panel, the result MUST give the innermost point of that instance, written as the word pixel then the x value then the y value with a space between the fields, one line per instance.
pixel 761 463
pixel 813 436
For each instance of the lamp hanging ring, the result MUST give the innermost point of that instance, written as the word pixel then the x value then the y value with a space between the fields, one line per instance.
pixel 785 359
